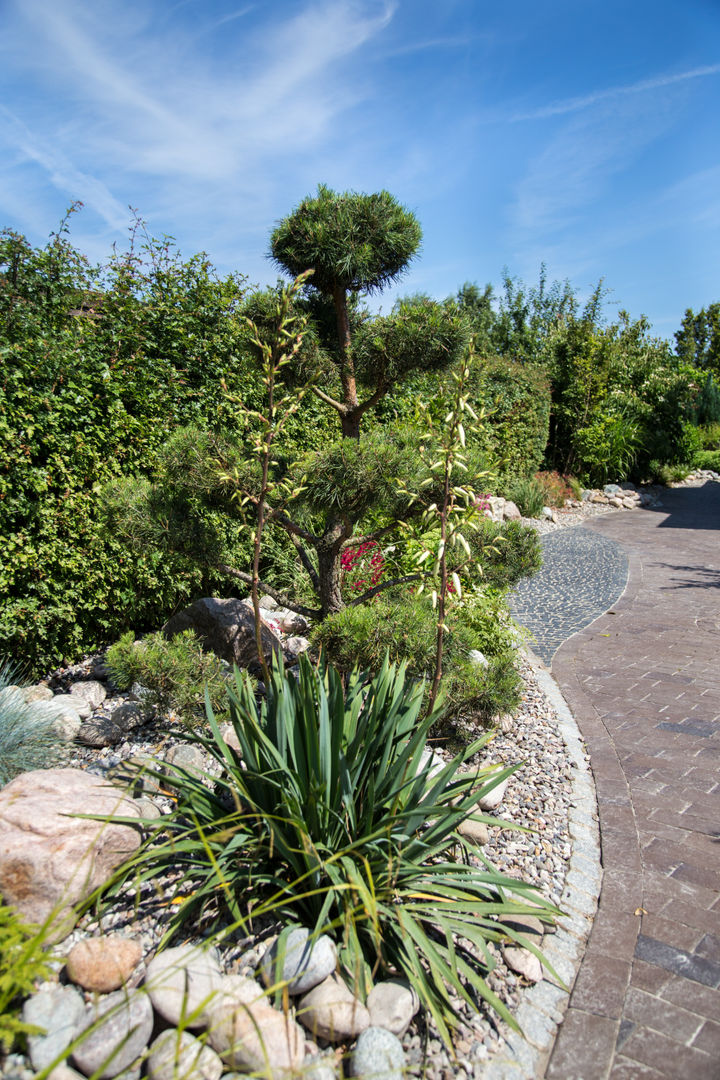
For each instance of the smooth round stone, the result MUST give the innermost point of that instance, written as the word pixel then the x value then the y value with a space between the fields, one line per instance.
pixel 129 715
pixel 67 720
pixel 305 961
pixel 331 1012
pixel 73 701
pixel 59 1011
pixel 64 1072
pixel 178 1055
pixel 392 1005
pixel 320 1068
pixel 39 692
pixel 103 963
pixel 378 1055
pixel 185 756
pixel 475 831
pixel 182 983
pixel 523 962
pixel 258 1038
pixel 100 731
pixel 118 1041
pixel 492 800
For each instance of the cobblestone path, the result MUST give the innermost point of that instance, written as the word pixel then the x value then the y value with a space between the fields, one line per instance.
pixel 643 683
pixel 582 575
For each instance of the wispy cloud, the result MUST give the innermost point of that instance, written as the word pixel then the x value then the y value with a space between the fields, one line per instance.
pixel 61 173
pixel 578 104
pixel 203 112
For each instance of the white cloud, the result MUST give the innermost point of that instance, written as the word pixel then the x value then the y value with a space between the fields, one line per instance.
pixel 197 119
pixel 588 101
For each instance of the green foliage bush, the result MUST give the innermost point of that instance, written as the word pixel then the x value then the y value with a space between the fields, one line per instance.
pixel 23 964
pixel 506 552
pixel 710 436
pixel 404 628
pixel 528 495
pixel 606 448
pixel 98 366
pixel 175 673
pixel 28 737
pixel 328 817
pixel 707 459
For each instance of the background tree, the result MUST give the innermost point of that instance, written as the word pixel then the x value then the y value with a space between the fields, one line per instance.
pixel 698 339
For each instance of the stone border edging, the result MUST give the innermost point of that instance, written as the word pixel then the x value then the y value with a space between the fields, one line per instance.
pixel 543 1006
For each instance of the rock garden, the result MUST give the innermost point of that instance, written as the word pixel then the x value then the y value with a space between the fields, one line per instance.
pixel 281 792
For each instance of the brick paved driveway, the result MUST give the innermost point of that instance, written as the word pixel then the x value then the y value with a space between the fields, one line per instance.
pixel 643 683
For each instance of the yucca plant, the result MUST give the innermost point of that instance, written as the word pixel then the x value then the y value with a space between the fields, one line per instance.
pixel 29 738
pixel 334 820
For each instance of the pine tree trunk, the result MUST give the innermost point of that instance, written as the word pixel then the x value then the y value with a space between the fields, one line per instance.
pixel 330 567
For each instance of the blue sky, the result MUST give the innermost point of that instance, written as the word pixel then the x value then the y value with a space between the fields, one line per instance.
pixel 583 135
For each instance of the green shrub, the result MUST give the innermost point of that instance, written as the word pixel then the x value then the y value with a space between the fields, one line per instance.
pixel 22 965
pixel 506 552
pixel 329 817
pixel 529 497
pixel 516 399
pixel 662 473
pixel 175 673
pixel 707 459
pixel 606 448
pixel 89 395
pixel 710 436
pixel 405 627
pixel 29 739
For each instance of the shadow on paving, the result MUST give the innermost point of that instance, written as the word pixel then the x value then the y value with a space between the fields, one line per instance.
pixel 690 508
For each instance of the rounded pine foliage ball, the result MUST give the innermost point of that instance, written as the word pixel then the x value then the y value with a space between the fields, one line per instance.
pixel 351 241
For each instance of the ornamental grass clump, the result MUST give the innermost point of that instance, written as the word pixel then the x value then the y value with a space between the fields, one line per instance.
pixel 328 816
pixel 29 736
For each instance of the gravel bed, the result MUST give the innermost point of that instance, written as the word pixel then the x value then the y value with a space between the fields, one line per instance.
pixel 538 796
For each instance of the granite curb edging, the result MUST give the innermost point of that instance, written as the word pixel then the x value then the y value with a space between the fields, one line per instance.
pixel 526 1056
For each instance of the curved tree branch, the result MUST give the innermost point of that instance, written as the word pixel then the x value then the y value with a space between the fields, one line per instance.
pixel 305 560
pixel 329 400
pixel 309 613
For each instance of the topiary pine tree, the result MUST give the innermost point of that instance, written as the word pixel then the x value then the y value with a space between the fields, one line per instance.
pixel 353 244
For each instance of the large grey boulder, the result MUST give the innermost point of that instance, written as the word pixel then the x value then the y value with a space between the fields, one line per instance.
pixel 226 628
pixel 49 860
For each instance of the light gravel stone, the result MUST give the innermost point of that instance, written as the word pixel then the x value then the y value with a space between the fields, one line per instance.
pixel 330 1011
pixel 300 960
pixel 114 1044
pixel 392 1005
pixel 182 983
pixel 378 1055
pixel 90 690
pixel 59 1011
pixel 178 1055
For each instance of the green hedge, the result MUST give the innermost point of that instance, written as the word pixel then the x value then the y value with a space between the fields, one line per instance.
pixel 97 368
